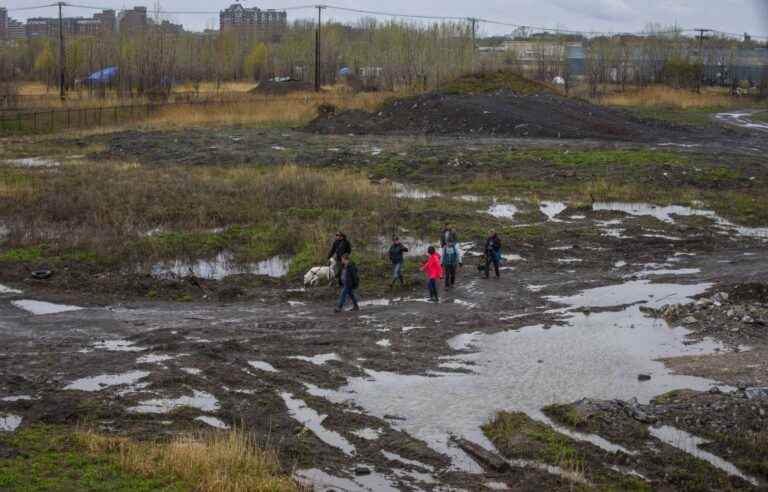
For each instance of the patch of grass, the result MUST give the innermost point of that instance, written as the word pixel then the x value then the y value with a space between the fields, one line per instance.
pixel 659 96
pixel 231 461
pixel 51 458
pixel 22 255
pixel 741 207
pixel 292 110
pixel 492 81
pixel 567 414
pixel 761 117
pixel 599 158
pixel 518 436
pixel 721 175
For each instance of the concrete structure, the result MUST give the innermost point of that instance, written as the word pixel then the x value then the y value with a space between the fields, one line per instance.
pixel 133 20
pixel 252 21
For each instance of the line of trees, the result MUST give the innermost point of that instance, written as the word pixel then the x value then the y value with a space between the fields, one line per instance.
pixel 389 55
pixel 396 54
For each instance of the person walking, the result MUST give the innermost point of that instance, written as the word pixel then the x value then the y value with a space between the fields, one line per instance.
pixel 434 272
pixel 451 261
pixel 350 281
pixel 397 257
pixel 448 235
pixel 341 246
pixel 492 254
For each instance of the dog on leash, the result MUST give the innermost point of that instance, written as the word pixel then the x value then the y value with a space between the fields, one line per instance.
pixel 316 275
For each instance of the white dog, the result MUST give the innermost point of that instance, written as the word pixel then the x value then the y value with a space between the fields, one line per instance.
pixel 321 274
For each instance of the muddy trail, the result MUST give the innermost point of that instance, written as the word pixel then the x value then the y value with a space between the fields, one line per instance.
pixel 395 397
pixel 509 114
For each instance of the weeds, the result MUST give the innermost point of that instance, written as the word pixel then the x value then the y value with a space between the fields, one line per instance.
pixel 210 462
pixel 292 110
pixel 137 213
pixel 667 97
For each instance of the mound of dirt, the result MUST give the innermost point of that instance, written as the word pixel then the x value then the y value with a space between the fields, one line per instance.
pixel 272 88
pixel 488 82
pixel 505 106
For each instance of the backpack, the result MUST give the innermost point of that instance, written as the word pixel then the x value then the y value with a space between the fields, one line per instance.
pixel 354 277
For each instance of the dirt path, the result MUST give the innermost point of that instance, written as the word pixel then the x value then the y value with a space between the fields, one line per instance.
pixel 382 390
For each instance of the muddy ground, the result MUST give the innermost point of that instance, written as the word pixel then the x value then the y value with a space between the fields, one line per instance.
pixel 373 400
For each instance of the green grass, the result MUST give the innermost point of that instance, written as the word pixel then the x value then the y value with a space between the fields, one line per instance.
pixel 761 117
pixel 22 255
pixel 599 158
pixel 49 460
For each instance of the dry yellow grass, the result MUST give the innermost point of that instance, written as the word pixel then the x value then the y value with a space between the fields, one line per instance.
pixel 229 461
pixel 667 97
pixel 293 109
pixel 35 89
pixel 243 86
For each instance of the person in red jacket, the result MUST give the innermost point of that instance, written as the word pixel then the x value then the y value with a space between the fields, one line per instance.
pixel 434 271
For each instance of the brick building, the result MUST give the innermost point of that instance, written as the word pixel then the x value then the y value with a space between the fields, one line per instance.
pixel 133 20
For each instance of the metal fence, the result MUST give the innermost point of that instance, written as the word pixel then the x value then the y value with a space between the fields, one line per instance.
pixel 23 102
pixel 64 119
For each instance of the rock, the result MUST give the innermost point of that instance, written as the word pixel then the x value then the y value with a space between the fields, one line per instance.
pixel 753 393
pixel 731 313
pixel 714 390
pixel 705 302
pixel 690 320
pixel 748 319
pixel 643 377
pixel 362 470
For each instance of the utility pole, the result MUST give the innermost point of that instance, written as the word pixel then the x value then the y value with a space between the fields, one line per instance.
pixel 317 46
pixel 474 33
pixel 62 57
pixel 701 55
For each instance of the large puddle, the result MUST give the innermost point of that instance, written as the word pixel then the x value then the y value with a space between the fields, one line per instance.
pixel 39 308
pixel 667 214
pixel 222 266
pixel 742 119
pixel 597 355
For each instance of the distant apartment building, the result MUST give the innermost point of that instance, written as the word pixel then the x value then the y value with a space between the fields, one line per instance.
pixel 16 30
pixel 101 23
pixel 133 20
pixel 171 28
pixel 3 23
pixel 252 21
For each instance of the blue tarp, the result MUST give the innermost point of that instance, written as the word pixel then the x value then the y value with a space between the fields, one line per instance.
pixel 102 76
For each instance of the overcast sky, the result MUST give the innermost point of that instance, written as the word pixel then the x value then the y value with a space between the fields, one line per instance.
pixel 736 16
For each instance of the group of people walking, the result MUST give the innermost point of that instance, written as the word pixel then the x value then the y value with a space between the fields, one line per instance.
pixel 438 266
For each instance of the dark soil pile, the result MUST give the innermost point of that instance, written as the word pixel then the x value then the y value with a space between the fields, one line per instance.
pixel 502 105
pixel 271 88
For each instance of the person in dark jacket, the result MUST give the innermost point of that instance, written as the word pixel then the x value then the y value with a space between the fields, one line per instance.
pixel 451 261
pixel 492 254
pixel 350 281
pixel 396 256
pixel 341 246
pixel 448 235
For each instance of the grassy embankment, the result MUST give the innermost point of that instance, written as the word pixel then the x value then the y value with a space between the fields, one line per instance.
pixel 679 105
pixel 47 458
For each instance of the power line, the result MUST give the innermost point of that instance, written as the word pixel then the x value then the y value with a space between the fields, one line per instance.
pixel 473 20
pixel 37 7
pixel 391 14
